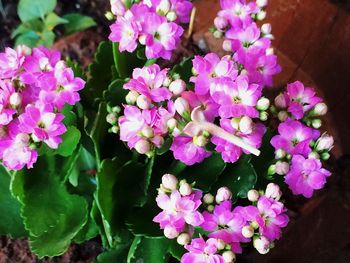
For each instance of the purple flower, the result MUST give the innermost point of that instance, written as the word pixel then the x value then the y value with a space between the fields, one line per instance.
pixel 43 125
pixel 6 111
pixel 185 150
pixel 149 82
pixel 11 61
pixel 118 7
pixel 294 138
pixel 236 98
pixel 306 175
pixel 201 251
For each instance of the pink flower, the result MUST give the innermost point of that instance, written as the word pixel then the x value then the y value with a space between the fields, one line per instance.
pixel 201 251
pixel 118 7
pixel 149 82
pixel 236 98
pixel 294 138
pixel 187 151
pixel 179 211
pixel 125 31
pixel 6 111
pixel 181 8
pixel 10 62
pixel 306 175
pixel 43 125
pixel 41 60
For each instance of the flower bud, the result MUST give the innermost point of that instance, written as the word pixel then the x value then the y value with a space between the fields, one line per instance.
pixel 248 231
pixel 227 45
pixel 281 101
pixel 320 109
pixel 261 3
pixel 142 39
pixel 163 7
pixel 261 15
pixel 183 239
pixel 246 125
pixel 262 245
pixel 147 132
pixel 266 29
pixel 271 170
pixel 270 51
pixel 263 104
pixel 142 146
pixel 23 50
pixel 181 106
pixel 282 168
pixel 221 244
pixel 109 15
pixel 185 189
pixel 223 194
pixel 177 86
pixel 324 143
pixel 235 123
pixel 317 123
pixel 273 191
pixel 229 257
pixel 217 34
pixel 171 123
pixel 325 156
pixel 200 141
pixel 15 99
pixel 208 199
pixel 220 23
pixel 210 208
pixel 171 16
pixel 143 102
pixel 131 97
pixel 263 116
pixel 170 232
pixel 280 153
pixel 169 181
pixel 314 155
pixel 253 195
pixel 111 118
pixel 115 129
pixel 282 115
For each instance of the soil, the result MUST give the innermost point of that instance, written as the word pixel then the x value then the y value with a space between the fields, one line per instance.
pixel 312 40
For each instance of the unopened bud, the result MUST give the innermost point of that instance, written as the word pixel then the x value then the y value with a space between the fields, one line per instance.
pixel 200 141
pixel 261 15
pixel 185 189
pixel 271 170
pixel 248 231
pixel 261 3
pixel 171 123
pixel 280 153
pixel 227 45
pixel 273 191
pixel 170 232
pixel 282 168
pixel 143 102
pixel 220 23
pixel 210 208
pixel 229 257
pixel 282 115
pixel 169 181
pixel 320 109
pixel 266 29
pixel 317 123
pixel 147 132
pixel 324 143
pixel 171 16
pixel 131 97
pixel 177 86
pixel 111 118
pixel 142 39
pixel 208 198
pixel 246 125
pixel 263 116
pixel 109 15
pixel 220 244
pixel 262 245
pixel 217 34
pixel 115 129
pixel 223 194
pixel 281 101
pixel 325 156
pixel 15 99
pixel 263 104
pixel 253 195
pixel 235 123
pixel 183 239
pixel 182 106
pixel 314 155
pixel 163 7
pixel 167 81
pixel 142 146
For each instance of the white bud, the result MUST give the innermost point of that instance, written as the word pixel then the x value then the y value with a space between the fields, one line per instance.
pixel 171 16
pixel 270 51
pixel 324 143
pixel 158 140
pixel 262 245
pixel 227 45
pixel 248 231
pixel 15 99
pixel 220 244
pixel 273 191
pixel 314 155
pixel 147 132
pixel 208 199
pixel 281 101
pixel 282 168
pixel 217 34
pixel 163 7
pixel 111 118
pixel 253 195
pixel 143 102
pixel 131 97
pixel 261 3
pixel 115 129
pixel 235 123
pixel 142 146
pixel 177 86
pixel 246 125
pixel 182 106
pixel 317 123
pixel 169 181
pixel 229 257
pixel 116 109
pixel 223 194
pixel 167 81
pixel 263 104
pixel 261 15
pixel 282 115
pixel 210 208
pixel 266 29
pixel 185 189
pixel 109 15
pixel 200 141
pixel 220 23
pixel 23 50
pixel 171 123
pixel 280 153
pixel 142 39
pixel 183 239
pixel 170 232
pixel 320 109
pixel 263 116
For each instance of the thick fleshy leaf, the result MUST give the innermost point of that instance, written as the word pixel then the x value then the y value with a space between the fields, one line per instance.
pixel 70 140
pixel 77 23
pixel 52 20
pixel 30 9
pixel 145 249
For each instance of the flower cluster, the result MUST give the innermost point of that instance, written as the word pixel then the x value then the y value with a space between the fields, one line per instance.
pixel 34 87
pixel 161 106
pixel 250 43
pixel 225 227
pixel 299 148
pixel 151 23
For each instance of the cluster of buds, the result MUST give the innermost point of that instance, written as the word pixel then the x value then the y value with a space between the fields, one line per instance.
pixel 150 23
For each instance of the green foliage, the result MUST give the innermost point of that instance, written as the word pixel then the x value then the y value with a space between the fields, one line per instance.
pixel 70 140
pixel 31 9
pixel 77 23
pixel 145 249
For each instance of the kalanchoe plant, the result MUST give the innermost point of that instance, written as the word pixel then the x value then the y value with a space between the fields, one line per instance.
pixel 184 162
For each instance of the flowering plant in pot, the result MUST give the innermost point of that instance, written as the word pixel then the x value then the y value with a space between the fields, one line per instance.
pixel 185 162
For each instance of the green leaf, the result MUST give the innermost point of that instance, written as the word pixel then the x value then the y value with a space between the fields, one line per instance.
pixel 184 69
pixel 47 39
pixel 77 23
pixel 115 95
pixel 11 221
pixel 145 249
pixel 206 173
pixel 35 25
pixel 89 231
pixel 29 38
pixel 176 250
pixel 30 9
pixel 70 140
pixel 51 215
pixel 52 20
pixel 239 177
pixel 118 254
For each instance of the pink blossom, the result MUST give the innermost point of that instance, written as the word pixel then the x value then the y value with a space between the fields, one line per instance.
pixel 6 111
pixel 201 251
pixel 10 62
pixel 294 138
pixel 118 7
pixel 306 175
